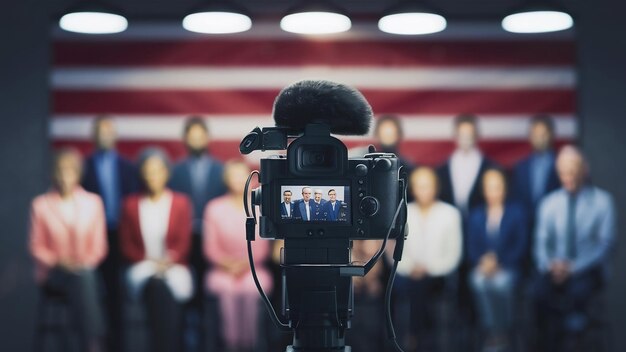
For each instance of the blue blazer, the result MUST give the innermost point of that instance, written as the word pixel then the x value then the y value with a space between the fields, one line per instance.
pixel 180 181
pixel 283 210
pixel 510 244
pixel 329 214
pixel 128 176
pixel 521 188
pixel 299 211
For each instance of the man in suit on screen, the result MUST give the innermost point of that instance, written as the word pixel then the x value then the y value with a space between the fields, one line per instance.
pixel 332 209
pixel 304 208
pixel 287 206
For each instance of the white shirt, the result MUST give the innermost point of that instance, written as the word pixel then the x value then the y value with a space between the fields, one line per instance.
pixel 308 210
pixel 464 168
pixel 434 240
pixel 288 209
pixel 154 220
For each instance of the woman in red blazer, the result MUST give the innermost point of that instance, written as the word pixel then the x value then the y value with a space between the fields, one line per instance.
pixel 155 235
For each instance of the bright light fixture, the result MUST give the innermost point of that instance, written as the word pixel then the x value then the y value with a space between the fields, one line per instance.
pixel 537 22
pixel 92 22
pixel 217 22
pixel 315 22
pixel 412 23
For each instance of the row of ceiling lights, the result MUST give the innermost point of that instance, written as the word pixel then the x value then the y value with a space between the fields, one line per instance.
pixel 407 18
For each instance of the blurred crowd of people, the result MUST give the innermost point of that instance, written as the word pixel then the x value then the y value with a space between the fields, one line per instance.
pixel 166 236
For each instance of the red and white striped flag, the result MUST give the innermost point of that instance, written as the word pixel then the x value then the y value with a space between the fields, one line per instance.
pixel 154 77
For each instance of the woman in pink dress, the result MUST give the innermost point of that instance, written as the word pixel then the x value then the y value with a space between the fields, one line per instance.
pixel 225 247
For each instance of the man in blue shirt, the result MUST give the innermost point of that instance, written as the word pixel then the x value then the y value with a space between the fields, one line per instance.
pixel 574 234
pixel 112 177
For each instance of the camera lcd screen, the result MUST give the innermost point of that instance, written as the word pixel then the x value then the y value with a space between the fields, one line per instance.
pixel 301 203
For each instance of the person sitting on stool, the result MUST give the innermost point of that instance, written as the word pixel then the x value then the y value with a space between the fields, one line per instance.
pixel 155 236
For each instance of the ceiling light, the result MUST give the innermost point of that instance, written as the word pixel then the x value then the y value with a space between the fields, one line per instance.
pixel 93 22
pixel 411 17
pixel 318 18
pixel 537 21
pixel 412 23
pixel 217 22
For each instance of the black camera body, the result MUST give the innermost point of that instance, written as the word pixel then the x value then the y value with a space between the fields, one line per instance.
pixel 317 160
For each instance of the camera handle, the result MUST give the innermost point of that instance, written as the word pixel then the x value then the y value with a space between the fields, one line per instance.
pixel 344 270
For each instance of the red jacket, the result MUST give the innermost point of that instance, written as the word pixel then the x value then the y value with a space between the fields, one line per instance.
pixel 178 237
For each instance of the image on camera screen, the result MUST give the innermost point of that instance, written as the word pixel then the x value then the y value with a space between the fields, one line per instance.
pixel 315 203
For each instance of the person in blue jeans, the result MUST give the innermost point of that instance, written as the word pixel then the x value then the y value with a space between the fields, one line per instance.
pixel 496 244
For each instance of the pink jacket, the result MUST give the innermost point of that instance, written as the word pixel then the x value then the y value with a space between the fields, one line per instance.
pixel 52 238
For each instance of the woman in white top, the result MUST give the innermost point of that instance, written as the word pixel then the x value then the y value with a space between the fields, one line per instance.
pixel 155 235
pixel 431 251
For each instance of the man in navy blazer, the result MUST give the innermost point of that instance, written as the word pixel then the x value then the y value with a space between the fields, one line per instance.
pixel 287 206
pixel 304 208
pixel 199 175
pixel 331 209
pixel 112 177
pixel 535 176
pixel 201 178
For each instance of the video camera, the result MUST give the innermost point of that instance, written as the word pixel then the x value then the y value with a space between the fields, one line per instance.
pixel 318 200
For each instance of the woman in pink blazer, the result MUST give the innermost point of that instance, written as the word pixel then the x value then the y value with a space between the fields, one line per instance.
pixel 68 241
pixel 225 247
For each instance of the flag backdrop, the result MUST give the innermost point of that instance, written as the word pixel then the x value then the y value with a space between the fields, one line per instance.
pixel 151 82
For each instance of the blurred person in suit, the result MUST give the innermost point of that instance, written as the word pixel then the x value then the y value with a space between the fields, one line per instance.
pixel 431 252
pixel 286 207
pixel 200 177
pixel 304 208
pixel 574 235
pixel 496 244
pixel 68 242
pixel 113 177
pixel 535 176
pixel 155 235
pixel 460 176
pixel 230 278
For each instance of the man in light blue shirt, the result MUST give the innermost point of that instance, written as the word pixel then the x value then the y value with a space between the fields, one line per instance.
pixel 574 234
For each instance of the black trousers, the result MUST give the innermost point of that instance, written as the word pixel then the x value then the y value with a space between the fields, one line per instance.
pixel 561 309
pixel 80 290
pixel 110 272
pixel 164 316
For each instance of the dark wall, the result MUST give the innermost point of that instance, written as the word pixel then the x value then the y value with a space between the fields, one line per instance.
pixel 602 107
pixel 24 57
pixel 24 153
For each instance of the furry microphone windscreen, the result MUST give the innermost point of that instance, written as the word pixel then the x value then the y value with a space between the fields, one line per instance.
pixel 343 108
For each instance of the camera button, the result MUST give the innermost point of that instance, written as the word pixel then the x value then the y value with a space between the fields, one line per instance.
pixel 369 206
pixel 361 170
pixel 320 232
pixel 361 182
pixel 309 232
